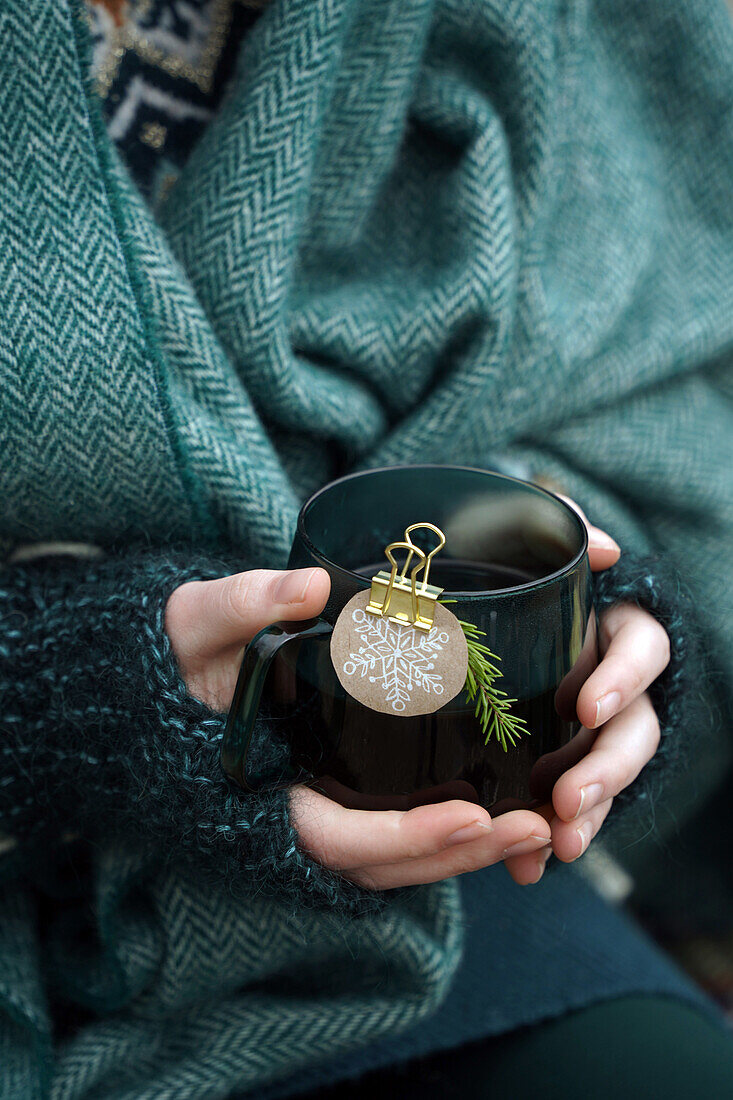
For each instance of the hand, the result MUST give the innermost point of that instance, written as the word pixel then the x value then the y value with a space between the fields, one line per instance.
pixel 620 727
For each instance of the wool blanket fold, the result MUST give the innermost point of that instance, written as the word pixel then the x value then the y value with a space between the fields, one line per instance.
pixel 428 230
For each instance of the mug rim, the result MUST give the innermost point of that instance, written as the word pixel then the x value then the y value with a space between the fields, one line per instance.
pixel 527 586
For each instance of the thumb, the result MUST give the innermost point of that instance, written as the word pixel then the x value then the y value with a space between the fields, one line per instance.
pixel 220 614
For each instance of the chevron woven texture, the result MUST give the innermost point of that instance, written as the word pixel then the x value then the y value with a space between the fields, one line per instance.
pixel 431 229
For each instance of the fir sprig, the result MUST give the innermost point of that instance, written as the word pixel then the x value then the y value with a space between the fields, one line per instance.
pixel 493 706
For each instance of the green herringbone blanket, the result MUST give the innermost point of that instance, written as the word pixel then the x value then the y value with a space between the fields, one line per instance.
pixel 417 229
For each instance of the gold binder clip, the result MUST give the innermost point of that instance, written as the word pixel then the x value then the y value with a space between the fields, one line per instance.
pixel 408 602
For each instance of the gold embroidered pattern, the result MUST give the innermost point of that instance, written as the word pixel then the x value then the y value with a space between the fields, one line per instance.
pixel 153 134
pixel 121 23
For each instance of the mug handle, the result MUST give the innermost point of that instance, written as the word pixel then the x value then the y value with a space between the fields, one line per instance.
pixel 256 662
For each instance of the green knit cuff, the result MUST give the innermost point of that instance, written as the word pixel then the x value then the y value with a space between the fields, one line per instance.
pixel 248 837
pixel 104 740
pixel 653 585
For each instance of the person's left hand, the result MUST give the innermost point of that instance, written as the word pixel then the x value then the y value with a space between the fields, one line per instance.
pixel 619 723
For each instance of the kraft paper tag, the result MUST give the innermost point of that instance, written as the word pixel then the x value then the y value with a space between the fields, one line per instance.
pixel 394 668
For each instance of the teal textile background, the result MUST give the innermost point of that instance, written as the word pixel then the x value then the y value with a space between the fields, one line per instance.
pixel 424 230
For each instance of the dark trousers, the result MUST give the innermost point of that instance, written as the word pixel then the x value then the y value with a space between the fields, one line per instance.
pixel 648 1047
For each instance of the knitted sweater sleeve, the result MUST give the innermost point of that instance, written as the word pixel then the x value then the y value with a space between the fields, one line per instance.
pixel 678 694
pixel 101 738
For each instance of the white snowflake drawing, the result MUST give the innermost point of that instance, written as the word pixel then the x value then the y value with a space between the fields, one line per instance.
pixel 397 657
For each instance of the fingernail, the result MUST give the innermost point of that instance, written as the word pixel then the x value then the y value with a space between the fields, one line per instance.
pixel 585 832
pixel 606 707
pixel 524 847
pixel 466 833
pixel 589 796
pixel 293 586
pixel 604 541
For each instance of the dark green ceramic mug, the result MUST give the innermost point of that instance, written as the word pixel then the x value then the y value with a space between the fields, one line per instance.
pixel 515 564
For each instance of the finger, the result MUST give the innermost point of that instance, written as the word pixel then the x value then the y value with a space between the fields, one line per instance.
pixel 603 551
pixel 344 839
pixel 619 752
pixel 215 615
pixel 635 651
pixel 571 839
pixel 527 870
pixel 500 843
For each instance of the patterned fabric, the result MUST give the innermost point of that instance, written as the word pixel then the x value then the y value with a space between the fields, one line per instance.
pixel 423 230
pixel 160 67
pixel 188 997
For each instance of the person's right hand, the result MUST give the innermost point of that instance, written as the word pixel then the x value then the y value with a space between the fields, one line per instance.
pixel 210 622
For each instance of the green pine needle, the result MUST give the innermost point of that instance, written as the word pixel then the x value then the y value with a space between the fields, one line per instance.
pixel 493 706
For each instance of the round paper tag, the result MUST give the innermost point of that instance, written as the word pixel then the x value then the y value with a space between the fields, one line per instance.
pixel 394 668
